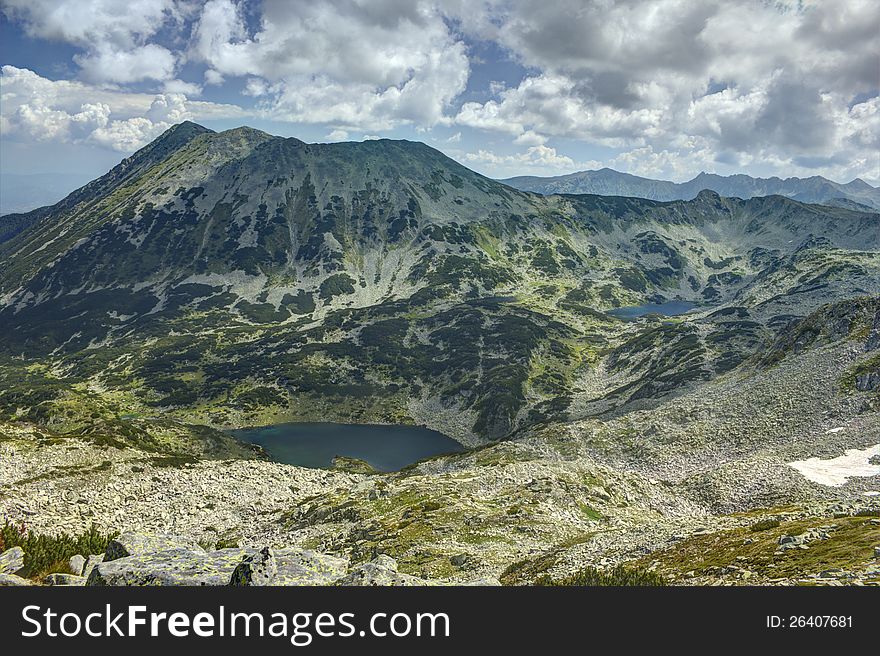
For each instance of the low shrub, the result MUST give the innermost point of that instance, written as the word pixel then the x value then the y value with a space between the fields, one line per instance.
pixel 45 554
pixel 619 576
pixel 764 525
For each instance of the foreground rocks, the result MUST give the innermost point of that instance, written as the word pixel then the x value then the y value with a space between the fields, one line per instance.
pixel 172 560
pixel 288 567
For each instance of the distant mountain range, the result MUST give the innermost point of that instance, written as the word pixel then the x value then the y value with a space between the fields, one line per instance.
pixel 609 182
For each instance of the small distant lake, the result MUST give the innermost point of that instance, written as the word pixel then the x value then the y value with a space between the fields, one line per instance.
pixel 667 309
pixel 386 448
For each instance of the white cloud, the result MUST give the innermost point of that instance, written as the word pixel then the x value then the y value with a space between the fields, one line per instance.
pixel 179 86
pixel 343 62
pixel 530 138
pixel 113 34
pixel 672 86
pixel 107 64
pixel 337 135
pixel 46 110
pixel 709 82
pixel 543 158
pixel 455 138
pixel 213 77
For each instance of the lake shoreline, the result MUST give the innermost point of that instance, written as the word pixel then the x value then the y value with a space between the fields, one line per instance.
pixel 385 447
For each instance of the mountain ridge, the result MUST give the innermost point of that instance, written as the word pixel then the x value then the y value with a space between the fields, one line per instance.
pixel 382 279
pixel 814 189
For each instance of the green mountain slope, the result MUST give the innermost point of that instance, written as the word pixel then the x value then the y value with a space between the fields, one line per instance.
pixel 238 278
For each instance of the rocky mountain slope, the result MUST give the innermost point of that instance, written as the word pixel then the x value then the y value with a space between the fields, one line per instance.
pixel 857 194
pixel 217 280
pixel 236 277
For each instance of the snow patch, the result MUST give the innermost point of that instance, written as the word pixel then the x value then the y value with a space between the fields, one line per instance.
pixel 835 472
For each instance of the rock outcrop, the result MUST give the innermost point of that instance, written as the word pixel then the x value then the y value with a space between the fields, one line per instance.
pixel 12 561
pixel 140 559
pixel 137 544
pixel 288 567
pixel 173 566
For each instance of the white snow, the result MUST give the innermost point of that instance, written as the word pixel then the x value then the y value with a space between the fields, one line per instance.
pixel 836 430
pixel 835 472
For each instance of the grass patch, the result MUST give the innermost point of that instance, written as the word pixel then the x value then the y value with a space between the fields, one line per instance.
pixel 850 546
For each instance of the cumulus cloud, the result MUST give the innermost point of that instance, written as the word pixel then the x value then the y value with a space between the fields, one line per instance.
pixel 180 86
pixel 337 135
pixel 696 83
pixel 73 112
pixel 112 33
pixel 538 159
pixel 369 65
pixel 671 87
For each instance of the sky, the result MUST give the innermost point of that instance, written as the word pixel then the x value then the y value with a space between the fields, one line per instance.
pixel 659 88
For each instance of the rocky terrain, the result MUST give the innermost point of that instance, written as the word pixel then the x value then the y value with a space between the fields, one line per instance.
pixel 162 559
pixel 219 280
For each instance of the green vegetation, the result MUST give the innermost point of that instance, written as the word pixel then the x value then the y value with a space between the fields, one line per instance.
pixel 849 545
pixel 46 554
pixel 764 525
pixel 618 576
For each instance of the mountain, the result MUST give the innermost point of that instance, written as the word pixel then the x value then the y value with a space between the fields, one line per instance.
pixel 384 281
pixel 217 280
pixel 608 182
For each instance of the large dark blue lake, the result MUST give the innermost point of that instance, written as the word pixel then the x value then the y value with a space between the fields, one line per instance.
pixel 386 448
pixel 667 309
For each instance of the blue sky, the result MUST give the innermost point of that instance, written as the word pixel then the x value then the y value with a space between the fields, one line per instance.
pixel 662 88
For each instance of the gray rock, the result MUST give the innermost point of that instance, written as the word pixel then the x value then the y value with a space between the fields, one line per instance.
pixel 12 560
pixel 77 565
pixel 288 567
pixel 170 567
pixel 93 560
pixel 258 569
pixel 484 581
pixel 11 580
pixel 458 560
pixel 381 571
pixel 64 579
pixel 139 544
pixel 876 552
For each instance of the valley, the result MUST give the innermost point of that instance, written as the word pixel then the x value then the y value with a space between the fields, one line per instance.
pixel 623 375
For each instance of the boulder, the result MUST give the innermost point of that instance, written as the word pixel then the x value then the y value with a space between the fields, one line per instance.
pixel 178 566
pixel 64 579
pixel 93 560
pixel 77 565
pixel 11 580
pixel 289 566
pixel 12 561
pixel 382 570
pixel 140 544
